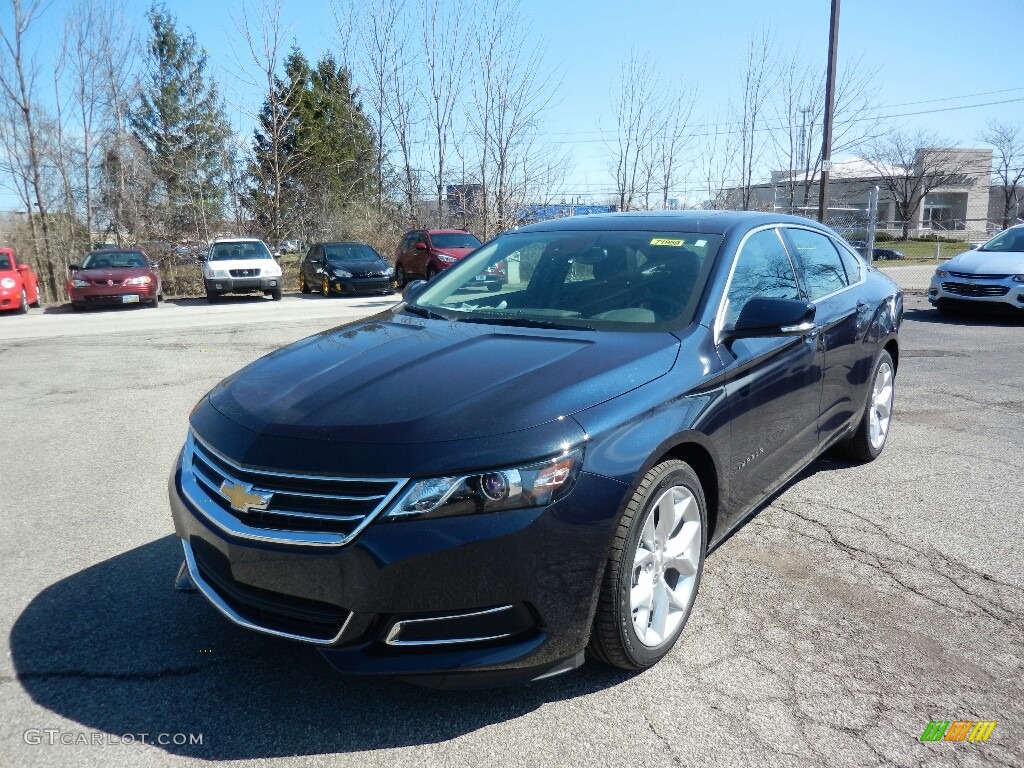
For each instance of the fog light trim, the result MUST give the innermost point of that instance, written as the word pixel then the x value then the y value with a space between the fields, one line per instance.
pixel 394 634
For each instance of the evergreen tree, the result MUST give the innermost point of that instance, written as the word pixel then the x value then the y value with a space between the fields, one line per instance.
pixel 178 119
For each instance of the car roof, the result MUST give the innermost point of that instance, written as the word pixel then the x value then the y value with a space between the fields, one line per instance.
pixel 701 222
pixel 447 231
pixel 218 240
pixel 342 242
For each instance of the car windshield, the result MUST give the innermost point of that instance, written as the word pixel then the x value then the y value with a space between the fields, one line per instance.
pixel 350 252
pixel 234 251
pixel 454 240
pixel 114 260
pixel 588 280
pixel 1010 240
pixel 5 263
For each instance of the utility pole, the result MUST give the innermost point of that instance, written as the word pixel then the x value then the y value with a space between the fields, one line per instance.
pixel 830 87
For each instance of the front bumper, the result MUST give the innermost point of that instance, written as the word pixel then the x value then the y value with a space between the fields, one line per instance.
pixel 242 284
pixel 502 596
pixel 10 298
pixel 978 292
pixel 109 295
pixel 362 284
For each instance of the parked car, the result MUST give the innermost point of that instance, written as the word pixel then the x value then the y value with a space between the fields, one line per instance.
pixel 114 276
pixel 427 252
pixel 240 265
pixel 991 276
pixel 470 489
pixel 19 286
pixel 887 254
pixel 289 246
pixel 345 267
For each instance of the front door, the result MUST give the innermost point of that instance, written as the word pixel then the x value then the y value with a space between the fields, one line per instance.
pixel 772 385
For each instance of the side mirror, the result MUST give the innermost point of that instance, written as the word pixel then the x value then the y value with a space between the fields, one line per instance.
pixel 74 267
pixel 155 264
pixel 201 257
pixel 763 318
pixel 421 246
pixel 974 246
pixel 24 267
pixel 413 289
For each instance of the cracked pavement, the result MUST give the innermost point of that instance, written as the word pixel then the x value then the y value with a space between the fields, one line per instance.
pixel 860 603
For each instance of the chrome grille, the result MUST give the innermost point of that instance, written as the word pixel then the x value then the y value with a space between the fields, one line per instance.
pixel 966 289
pixel 301 509
pixel 970 276
pixel 106 282
pixel 244 272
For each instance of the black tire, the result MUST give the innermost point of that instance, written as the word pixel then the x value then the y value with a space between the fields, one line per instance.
pixel 276 294
pixel 493 287
pixel 858 447
pixel 399 276
pixel 77 307
pixel 156 301
pixel 431 272
pixel 213 298
pixel 23 305
pixel 613 638
pixel 303 285
pixel 39 299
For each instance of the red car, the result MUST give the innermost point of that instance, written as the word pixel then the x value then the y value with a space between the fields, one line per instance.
pixel 425 252
pixel 114 277
pixel 19 286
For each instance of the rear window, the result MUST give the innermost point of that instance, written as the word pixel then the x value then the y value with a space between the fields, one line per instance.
pixel 454 240
pixel 237 251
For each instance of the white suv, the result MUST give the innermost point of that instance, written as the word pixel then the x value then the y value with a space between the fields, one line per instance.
pixel 240 265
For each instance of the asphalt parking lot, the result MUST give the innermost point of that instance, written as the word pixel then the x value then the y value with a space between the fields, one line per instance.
pixel 861 603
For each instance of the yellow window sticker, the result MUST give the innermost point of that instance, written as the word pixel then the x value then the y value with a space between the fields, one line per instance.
pixel 666 241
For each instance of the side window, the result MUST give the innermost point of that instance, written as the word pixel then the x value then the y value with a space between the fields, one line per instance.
pixel 422 238
pixel 823 270
pixel 763 270
pixel 851 263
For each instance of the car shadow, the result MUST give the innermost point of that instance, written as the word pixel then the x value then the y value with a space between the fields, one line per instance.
pixel 980 318
pixel 116 649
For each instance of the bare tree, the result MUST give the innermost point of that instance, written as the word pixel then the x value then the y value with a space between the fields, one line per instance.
pixel 638 108
pixel 672 138
pixel 912 164
pixel 760 76
pixel 1008 171
pixel 717 159
pixel 443 67
pixel 18 91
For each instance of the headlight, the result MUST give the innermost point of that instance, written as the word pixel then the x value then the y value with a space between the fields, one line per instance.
pixel 1018 278
pixel 274 271
pixel 941 273
pixel 447 259
pixel 80 283
pixel 341 273
pixel 534 485
pixel 7 282
pixel 389 271
pixel 143 280
pixel 217 274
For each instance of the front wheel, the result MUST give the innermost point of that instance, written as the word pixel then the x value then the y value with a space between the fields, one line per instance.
pixel 325 286
pixel 23 306
pixel 431 272
pixel 872 433
pixel 303 285
pixel 275 294
pixel 39 299
pixel 653 571
pixel 399 277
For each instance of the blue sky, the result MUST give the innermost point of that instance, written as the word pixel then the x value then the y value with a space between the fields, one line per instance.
pixel 931 55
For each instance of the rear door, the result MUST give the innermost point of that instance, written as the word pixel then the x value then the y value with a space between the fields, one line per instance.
pixel 830 281
pixel 772 384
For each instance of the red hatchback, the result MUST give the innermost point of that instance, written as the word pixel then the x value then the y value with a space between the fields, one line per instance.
pixel 114 277
pixel 19 286
pixel 425 252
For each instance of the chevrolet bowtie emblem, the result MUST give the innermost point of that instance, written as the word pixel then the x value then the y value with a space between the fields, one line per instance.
pixel 242 497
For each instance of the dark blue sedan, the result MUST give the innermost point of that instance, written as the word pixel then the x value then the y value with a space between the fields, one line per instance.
pixel 478 487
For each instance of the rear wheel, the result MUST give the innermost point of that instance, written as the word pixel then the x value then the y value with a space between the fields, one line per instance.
pixel 653 570
pixel 872 433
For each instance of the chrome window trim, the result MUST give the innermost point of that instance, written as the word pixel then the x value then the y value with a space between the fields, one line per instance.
pixel 396 629
pixel 231 525
pixel 723 299
pixel 218 602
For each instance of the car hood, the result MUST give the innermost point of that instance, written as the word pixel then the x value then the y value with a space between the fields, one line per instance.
pixel 115 273
pixel 392 379
pixel 265 264
pixel 360 268
pixel 988 263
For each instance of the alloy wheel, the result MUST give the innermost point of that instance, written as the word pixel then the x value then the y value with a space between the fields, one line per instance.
pixel 881 405
pixel 325 286
pixel 665 566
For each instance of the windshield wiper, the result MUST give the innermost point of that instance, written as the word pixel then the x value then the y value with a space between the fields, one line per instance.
pixel 524 322
pixel 424 312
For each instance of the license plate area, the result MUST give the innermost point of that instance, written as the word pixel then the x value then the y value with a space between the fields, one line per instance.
pixel 129 299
